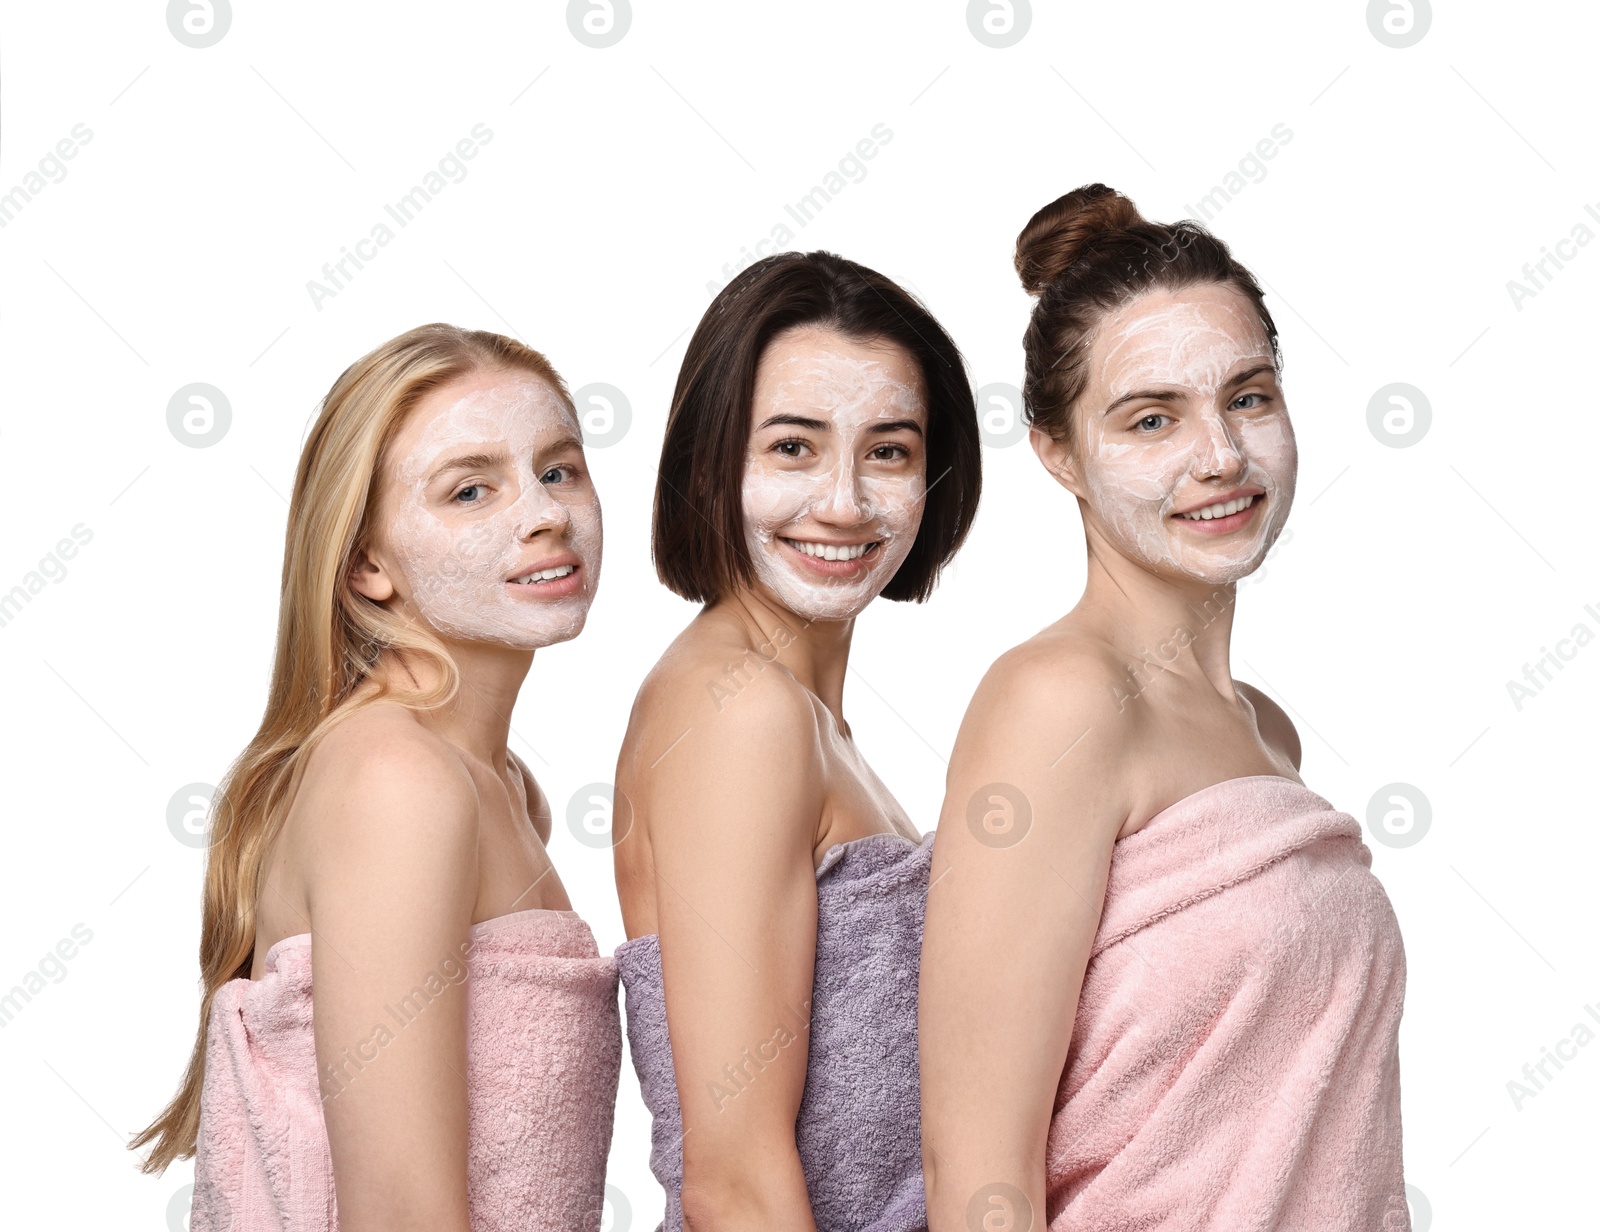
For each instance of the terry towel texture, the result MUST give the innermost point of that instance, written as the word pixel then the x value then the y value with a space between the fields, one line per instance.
pixel 543 1054
pixel 858 1129
pixel 1234 1060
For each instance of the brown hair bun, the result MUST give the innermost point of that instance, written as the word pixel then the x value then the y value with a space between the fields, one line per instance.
pixel 1056 236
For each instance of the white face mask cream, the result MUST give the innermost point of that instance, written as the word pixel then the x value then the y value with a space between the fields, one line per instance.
pixel 834 472
pixel 493 519
pixel 1197 482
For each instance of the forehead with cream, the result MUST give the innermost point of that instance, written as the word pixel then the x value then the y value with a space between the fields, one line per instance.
pixel 848 380
pixel 515 410
pixel 1193 338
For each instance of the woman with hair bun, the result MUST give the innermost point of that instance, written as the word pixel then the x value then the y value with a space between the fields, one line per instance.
pixel 1160 986
pixel 404 1023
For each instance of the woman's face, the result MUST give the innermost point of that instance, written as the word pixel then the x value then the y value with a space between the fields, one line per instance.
pixel 489 527
pixel 1183 451
pixel 834 471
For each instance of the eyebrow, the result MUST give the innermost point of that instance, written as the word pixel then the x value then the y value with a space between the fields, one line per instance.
pixel 820 425
pixel 499 457
pixel 1172 395
pixel 468 462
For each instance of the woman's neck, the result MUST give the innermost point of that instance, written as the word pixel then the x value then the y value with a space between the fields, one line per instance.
pixel 477 719
pixel 815 652
pixel 1159 621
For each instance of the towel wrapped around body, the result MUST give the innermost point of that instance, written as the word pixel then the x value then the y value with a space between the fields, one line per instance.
pixel 1234 1061
pixel 544 1050
pixel 858 1130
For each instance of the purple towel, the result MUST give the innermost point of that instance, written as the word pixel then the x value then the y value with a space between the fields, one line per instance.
pixel 859 1126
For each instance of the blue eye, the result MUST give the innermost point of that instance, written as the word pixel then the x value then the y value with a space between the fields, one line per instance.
pixel 560 472
pixel 1152 423
pixel 1260 398
pixel 471 487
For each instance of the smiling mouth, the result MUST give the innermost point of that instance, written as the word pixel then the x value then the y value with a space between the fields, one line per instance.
pixel 1224 509
pixel 540 576
pixel 833 551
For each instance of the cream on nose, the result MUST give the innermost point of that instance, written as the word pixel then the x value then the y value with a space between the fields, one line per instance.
pixel 537 508
pixel 1218 452
pixel 843 498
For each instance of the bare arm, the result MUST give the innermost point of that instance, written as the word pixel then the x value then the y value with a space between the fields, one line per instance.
pixel 733 811
pixel 391 872
pixel 1019 874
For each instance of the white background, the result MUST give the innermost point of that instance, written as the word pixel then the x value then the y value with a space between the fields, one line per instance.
pixel 620 181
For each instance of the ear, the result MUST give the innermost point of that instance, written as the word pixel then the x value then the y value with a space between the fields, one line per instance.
pixel 369 578
pixel 1058 459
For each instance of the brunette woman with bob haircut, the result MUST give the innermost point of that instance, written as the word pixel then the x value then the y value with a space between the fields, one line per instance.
pixel 698 540
pixel 822 449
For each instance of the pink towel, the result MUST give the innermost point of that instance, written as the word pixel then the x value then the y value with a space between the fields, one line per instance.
pixel 1234 1061
pixel 543 1053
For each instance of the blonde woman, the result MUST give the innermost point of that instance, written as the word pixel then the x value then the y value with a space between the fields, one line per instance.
pixel 404 1024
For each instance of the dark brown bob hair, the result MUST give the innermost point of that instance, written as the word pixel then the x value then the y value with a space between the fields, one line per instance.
pixel 697 532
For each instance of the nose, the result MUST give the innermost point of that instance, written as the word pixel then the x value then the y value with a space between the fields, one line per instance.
pixel 1217 452
pixel 537 509
pixel 841 503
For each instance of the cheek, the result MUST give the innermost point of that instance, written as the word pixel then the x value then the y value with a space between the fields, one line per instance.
pixel 772 498
pixel 439 557
pixel 1270 445
pixel 1121 474
pixel 584 530
pixel 421 540
pixel 896 503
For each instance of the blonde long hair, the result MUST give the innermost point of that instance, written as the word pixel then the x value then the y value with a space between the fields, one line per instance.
pixel 329 642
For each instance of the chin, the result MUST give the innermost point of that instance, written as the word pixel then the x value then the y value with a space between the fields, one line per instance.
pixel 808 608
pixel 530 639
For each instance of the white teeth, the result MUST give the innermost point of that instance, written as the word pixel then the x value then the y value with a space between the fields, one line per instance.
pixel 543 575
pixel 830 551
pixel 1219 511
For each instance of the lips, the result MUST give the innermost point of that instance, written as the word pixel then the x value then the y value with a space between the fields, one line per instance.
pixel 1222 517
pixel 555 577
pixel 833 559
pixel 820 550
pixel 552 568
pixel 1221 505
pixel 540 576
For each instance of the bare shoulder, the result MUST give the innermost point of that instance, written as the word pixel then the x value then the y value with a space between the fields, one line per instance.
pixel 716 737
pixel 1276 728
pixel 1061 683
pixel 712 696
pixel 1044 745
pixel 379 776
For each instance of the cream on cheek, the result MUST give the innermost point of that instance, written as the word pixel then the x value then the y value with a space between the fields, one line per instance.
pixel 456 560
pixel 816 500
